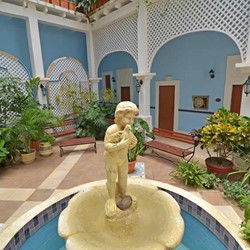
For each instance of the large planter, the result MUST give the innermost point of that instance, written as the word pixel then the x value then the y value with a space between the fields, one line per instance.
pixel 28 158
pixel 221 167
pixel 45 149
pixel 131 166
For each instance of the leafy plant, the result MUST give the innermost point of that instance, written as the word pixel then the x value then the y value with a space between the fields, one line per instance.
pixel 245 225
pixel 3 151
pixel 30 126
pixel 190 172
pixel 235 190
pixel 72 98
pixel 92 122
pixel 210 180
pixel 48 138
pixel 141 130
pixel 86 6
pixel 224 133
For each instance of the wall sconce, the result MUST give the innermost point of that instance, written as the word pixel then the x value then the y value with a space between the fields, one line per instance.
pixel 43 89
pixel 246 86
pixel 138 86
pixel 211 73
pixel 113 79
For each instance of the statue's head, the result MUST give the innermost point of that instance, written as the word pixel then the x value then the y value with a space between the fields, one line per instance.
pixel 123 108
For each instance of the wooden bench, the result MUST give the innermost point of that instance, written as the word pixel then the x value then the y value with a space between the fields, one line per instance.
pixel 62 129
pixel 78 141
pixel 182 152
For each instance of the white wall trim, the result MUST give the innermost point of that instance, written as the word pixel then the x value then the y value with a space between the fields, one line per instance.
pixel 175 83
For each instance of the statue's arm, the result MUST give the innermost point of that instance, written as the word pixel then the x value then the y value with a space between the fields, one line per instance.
pixel 110 141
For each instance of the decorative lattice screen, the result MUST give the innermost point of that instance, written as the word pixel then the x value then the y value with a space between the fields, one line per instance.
pixel 171 18
pixel 118 36
pixel 65 74
pixel 10 66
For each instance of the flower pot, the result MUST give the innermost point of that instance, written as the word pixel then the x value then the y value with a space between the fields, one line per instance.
pixel 35 145
pixel 131 166
pixel 45 149
pixel 28 158
pixel 221 167
pixel 72 6
pixel 64 4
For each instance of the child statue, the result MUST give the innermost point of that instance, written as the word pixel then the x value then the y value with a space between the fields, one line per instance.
pixel 118 139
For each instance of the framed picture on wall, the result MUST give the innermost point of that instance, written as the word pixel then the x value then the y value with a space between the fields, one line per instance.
pixel 200 102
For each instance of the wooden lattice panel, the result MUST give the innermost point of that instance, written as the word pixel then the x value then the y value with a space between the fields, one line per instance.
pixel 118 36
pixel 168 19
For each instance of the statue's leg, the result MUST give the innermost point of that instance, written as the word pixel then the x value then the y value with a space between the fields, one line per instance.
pixel 122 178
pixel 111 180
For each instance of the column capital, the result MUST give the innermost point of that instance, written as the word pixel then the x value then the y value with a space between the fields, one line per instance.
pixel 144 76
pixel 94 80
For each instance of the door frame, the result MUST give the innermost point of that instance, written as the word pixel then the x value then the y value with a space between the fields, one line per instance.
pixel 176 84
pixel 110 73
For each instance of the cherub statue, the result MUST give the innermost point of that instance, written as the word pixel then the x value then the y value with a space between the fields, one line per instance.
pixel 118 139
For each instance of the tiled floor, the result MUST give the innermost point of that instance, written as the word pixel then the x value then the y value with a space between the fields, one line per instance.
pixel 25 186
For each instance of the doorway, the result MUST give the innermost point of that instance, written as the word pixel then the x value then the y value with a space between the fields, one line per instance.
pixel 125 93
pixel 167 104
pixel 236 98
pixel 166 107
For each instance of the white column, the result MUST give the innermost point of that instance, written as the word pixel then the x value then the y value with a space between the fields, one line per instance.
pixel 91 55
pixel 35 50
pixel 142 38
pixel 144 96
pixel 94 85
pixel 143 71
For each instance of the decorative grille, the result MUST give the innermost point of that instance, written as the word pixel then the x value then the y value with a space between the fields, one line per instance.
pixel 10 66
pixel 168 19
pixel 121 35
pixel 65 73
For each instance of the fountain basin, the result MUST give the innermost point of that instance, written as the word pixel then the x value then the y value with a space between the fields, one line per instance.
pixel 155 224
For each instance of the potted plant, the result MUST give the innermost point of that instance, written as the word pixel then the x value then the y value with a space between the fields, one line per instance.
pixel 3 152
pixel 225 132
pixel 31 126
pixel 46 145
pixel 141 131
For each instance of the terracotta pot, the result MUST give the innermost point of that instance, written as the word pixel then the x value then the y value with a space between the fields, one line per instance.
pixel 64 4
pixel 55 2
pixel 219 166
pixel 35 145
pixel 131 166
pixel 72 6
pixel 28 158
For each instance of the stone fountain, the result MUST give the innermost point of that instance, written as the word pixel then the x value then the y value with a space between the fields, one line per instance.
pixel 120 215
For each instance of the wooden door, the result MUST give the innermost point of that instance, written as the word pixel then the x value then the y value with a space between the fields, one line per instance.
pixel 107 81
pixel 236 98
pixel 125 93
pixel 166 107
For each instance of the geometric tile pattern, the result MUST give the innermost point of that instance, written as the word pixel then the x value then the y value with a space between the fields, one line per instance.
pixel 168 19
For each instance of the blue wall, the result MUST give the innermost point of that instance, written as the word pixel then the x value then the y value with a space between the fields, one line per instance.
pixel 14 39
pixel 189 58
pixel 115 61
pixel 57 42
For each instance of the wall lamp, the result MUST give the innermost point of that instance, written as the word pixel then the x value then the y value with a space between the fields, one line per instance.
pixel 138 86
pixel 211 73
pixel 113 79
pixel 246 86
pixel 43 89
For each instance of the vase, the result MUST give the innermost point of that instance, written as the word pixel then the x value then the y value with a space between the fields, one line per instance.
pixel 221 167
pixel 131 166
pixel 28 158
pixel 35 145
pixel 45 149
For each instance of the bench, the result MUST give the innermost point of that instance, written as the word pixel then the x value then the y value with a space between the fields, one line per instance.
pixel 66 128
pixel 78 141
pixel 182 151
